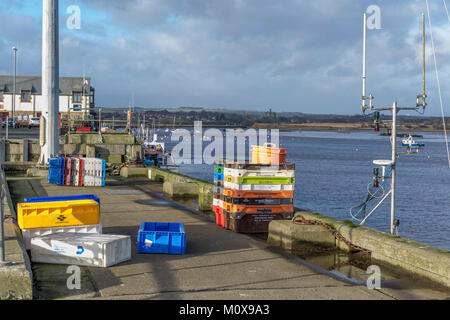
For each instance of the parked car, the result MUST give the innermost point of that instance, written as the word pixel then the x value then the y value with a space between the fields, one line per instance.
pixel 11 123
pixel 34 122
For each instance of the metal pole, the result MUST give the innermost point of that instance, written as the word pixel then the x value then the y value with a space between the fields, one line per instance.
pixel 7 127
pixel 375 208
pixel 423 58
pixel 2 234
pixel 3 261
pixel 84 96
pixel 50 79
pixel 394 156
pixel 14 84
pixel 364 61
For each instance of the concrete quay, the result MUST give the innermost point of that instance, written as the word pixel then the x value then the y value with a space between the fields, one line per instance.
pixel 218 264
pixel 417 258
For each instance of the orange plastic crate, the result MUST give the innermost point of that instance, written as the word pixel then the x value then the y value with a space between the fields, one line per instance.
pixel 282 208
pixel 268 155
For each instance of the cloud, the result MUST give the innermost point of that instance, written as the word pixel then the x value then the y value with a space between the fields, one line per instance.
pixel 290 55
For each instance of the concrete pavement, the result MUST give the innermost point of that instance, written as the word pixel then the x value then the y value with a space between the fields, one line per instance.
pixel 218 264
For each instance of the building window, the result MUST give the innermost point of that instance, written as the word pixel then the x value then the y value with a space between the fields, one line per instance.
pixel 76 107
pixel 25 96
pixel 76 97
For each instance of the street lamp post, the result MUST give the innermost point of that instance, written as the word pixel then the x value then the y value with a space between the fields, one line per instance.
pixel 14 84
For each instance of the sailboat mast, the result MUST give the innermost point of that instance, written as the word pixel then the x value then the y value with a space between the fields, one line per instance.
pixel 364 61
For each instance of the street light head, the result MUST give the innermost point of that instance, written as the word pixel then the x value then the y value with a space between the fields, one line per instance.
pixel 14 48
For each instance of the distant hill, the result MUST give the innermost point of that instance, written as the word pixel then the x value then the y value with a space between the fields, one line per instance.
pixel 217 117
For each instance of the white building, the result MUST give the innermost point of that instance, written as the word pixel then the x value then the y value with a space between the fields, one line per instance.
pixel 72 99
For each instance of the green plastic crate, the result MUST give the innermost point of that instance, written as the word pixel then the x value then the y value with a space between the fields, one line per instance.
pixel 260 180
pixel 218 169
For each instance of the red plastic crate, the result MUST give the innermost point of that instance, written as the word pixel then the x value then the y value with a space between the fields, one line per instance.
pixel 84 129
pixel 68 171
pixel 220 219
pixel 80 173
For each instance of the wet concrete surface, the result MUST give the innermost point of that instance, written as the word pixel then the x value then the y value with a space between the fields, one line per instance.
pixel 359 269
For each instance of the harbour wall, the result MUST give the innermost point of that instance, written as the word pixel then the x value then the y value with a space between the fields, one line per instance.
pixel 16 280
pixel 205 189
pixel 114 148
pixel 415 257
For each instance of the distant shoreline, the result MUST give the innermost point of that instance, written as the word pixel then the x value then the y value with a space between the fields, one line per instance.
pixel 343 127
pixel 314 126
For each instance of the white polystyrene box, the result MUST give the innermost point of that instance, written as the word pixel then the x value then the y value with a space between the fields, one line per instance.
pixel 95 250
pixel 218 202
pixel 264 172
pixel 258 187
pixel 27 234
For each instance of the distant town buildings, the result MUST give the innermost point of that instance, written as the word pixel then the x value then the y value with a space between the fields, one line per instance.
pixel 269 114
pixel 76 96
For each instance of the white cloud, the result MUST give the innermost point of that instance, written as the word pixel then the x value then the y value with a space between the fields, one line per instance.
pixel 239 53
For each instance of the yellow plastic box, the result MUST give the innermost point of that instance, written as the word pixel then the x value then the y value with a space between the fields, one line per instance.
pixel 58 213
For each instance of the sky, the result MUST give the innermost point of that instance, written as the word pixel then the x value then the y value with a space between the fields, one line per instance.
pixel 289 55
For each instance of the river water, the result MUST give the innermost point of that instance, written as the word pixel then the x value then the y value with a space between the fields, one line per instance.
pixel 333 170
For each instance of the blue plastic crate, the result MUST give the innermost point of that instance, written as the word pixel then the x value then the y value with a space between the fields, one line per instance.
pixel 63 198
pixel 56 171
pixel 161 237
pixel 218 176
pixel 103 173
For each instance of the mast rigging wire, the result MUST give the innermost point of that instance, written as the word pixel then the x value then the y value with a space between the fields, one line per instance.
pixel 446 10
pixel 437 77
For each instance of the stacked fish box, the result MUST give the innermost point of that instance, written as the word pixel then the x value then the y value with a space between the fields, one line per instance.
pixel 218 194
pixel 56 171
pixel 67 230
pixel 76 171
pixel 257 193
pixel 48 215
pixel 94 172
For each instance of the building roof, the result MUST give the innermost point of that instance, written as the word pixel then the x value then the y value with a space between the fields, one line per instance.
pixel 66 84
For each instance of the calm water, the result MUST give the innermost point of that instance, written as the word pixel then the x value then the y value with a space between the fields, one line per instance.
pixel 333 170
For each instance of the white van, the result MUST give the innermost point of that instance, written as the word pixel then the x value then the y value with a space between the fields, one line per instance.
pixel 34 122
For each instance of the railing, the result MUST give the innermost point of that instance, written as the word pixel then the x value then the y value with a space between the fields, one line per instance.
pixel 3 193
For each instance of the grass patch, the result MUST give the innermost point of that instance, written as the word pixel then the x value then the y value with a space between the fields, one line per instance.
pixel 330 225
pixel 349 223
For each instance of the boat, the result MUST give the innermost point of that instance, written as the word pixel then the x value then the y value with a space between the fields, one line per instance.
pixel 173 126
pixel 410 143
pixel 155 153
